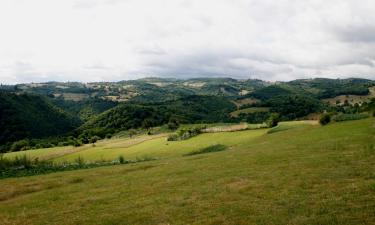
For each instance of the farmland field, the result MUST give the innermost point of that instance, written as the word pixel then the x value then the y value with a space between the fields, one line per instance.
pixel 304 175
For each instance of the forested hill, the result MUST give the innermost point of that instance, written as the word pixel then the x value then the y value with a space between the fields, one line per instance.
pixel 31 116
pixel 40 110
pixel 190 109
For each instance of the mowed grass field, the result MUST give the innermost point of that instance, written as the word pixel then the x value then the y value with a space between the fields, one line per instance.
pixel 307 174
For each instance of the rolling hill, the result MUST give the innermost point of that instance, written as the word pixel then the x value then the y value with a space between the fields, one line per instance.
pixel 306 174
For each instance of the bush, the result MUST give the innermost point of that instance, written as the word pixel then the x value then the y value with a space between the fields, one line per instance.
pixel 19 145
pixel 273 120
pixel 184 134
pixel 121 159
pixel 173 124
pixel 325 119
pixel 80 161
pixel 77 143
pixel 94 139
pixel 173 137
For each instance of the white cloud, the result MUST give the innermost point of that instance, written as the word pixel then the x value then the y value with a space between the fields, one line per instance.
pixel 93 40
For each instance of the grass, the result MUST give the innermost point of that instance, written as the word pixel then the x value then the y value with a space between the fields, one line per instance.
pixel 282 126
pixel 142 146
pixel 212 148
pixel 306 175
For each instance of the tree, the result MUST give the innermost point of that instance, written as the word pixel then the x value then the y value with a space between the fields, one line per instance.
pixel 325 119
pixel 173 124
pixel 273 120
pixel 94 139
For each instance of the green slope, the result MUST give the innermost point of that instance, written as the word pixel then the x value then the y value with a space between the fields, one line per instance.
pixel 305 175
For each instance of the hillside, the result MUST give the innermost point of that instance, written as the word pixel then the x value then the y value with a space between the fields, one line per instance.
pixel 191 109
pixel 105 108
pixel 165 89
pixel 31 116
pixel 306 174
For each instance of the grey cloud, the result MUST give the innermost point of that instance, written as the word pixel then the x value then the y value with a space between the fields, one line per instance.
pixel 359 33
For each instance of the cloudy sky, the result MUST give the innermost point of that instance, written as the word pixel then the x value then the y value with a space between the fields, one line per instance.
pixel 110 40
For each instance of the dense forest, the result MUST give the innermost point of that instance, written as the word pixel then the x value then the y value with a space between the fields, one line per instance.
pixel 54 113
pixel 32 116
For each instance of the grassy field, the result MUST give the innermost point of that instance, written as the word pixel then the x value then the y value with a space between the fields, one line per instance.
pixel 306 175
pixel 138 147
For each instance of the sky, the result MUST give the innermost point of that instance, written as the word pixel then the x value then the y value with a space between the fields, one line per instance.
pixel 112 40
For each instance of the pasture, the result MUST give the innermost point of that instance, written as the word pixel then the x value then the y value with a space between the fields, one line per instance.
pixel 308 174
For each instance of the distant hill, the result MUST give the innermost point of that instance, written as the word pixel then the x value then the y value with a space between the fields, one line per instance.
pixel 148 90
pixel 39 110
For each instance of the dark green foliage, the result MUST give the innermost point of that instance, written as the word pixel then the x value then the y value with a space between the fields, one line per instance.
pixel 30 116
pixel 325 119
pixel 212 148
pixel 293 106
pixel 173 137
pixel 94 139
pixel 121 159
pixel 20 145
pixel 269 92
pixel 173 124
pixel 85 109
pixel 273 120
pixel 328 88
pixel 191 109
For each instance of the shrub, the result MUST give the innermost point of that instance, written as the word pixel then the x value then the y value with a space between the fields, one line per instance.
pixel 273 120
pixel 132 132
pixel 173 124
pixel 172 137
pixel 94 139
pixel 77 143
pixel 184 134
pixel 80 161
pixel 325 119
pixel 19 145
pixel 121 159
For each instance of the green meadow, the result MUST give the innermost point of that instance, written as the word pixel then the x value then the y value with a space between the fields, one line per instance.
pixel 299 173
